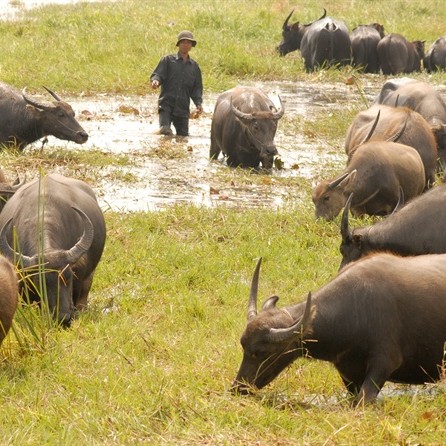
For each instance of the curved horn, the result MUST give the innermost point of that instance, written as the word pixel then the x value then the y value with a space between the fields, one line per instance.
pixel 252 303
pixel 285 24
pixel 8 251
pixel 396 100
pixel 84 242
pixel 279 113
pixel 241 114
pixel 282 334
pixel 375 123
pixel 337 181
pixel 400 201
pixel 320 18
pixel 345 230
pixel 54 95
pixel 398 134
pixel 34 103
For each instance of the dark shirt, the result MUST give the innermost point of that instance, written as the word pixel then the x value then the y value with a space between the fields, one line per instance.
pixel 180 82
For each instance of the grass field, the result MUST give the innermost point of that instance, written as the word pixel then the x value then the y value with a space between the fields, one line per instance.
pixel 153 358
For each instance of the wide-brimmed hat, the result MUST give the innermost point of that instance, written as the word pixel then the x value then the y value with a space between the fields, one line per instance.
pixel 186 35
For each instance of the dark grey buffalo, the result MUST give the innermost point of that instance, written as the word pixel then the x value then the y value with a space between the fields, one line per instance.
pixel 397 55
pixel 435 58
pixel 24 120
pixel 364 40
pixel 414 230
pixel 423 98
pixel 323 43
pixel 243 127
pixel 54 228
pixel 381 319
pixel 398 125
pixel 377 173
pixel 8 296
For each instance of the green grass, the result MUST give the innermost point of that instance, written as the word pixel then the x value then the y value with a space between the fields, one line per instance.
pixel 152 359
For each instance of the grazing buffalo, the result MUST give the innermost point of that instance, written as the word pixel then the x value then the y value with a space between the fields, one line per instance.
pixel 377 173
pixel 8 296
pixel 414 230
pixel 364 40
pixel 398 125
pixel 24 120
pixel 325 42
pixel 397 55
pixel 422 98
pixel 54 227
pixel 243 127
pixel 435 58
pixel 381 319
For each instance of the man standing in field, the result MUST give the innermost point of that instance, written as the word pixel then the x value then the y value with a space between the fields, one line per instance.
pixel 180 79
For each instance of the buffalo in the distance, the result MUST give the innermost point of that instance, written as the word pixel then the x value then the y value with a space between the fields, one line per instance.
pixel 422 98
pixel 54 229
pixel 383 318
pixel 243 127
pixel 435 59
pixel 400 125
pixel 323 43
pixel 364 40
pixel 24 120
pixel 397 55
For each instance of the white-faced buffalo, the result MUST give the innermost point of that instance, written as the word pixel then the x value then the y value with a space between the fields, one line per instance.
pixel 325 42
pixel 53 227
pixel 422 98
pixel 376 174
pixel 414 229
pixel 381 319
pixel 364 40
pixel 397 55
pixel 243 127
pixel 398 125
pixel 435 58
pixel 8 296
pixel 24 120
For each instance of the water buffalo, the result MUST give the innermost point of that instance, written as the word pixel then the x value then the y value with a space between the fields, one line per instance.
pixel 435 58
pixel 53 226
pixel 377 173
pixel 364 41
pixel 397 55
pixel 24 120
pixel 381 319
pixel 324 42
pixel 422 98
pixel 243 127
pixel 414 230
pixel 8 296
pixel 398 125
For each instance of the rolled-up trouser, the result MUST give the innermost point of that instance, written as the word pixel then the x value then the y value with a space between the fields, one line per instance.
pixel 181 124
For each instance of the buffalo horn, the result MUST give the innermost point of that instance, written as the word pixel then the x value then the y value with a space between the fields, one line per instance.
pixel 345 230
pixel 320 18
pixel 252 304
pixel 34 103
pixel 375 123
pixel 279 113
pixel 54 95
pixel 84 242
pixel 397 136
pixel 282 334
pixel 285 24
pixel 337 181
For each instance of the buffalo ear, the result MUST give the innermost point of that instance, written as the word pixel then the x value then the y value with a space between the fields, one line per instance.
pixel 270 303
pixel 357 238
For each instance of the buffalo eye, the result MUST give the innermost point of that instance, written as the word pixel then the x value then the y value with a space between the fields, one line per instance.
pixel 60 114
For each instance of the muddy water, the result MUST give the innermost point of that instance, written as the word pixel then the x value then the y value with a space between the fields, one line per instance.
pixel 128 125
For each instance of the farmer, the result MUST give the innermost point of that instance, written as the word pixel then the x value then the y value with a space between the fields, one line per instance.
pixel 180 79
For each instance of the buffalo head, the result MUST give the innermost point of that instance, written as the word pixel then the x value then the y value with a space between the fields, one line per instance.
pixel 57 118
pixel 271 340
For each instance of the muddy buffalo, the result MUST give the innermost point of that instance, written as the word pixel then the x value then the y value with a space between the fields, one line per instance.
pixel 397 125
pixel 377 174
pixel 322 43
pixel 381 319
pixel 8 296
pixel 243 127
pixel 414 230
pixel 24 120
pixel 435 58
pixel 423 98
pixel 54 228
pixel 397 55
pixel 364 40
